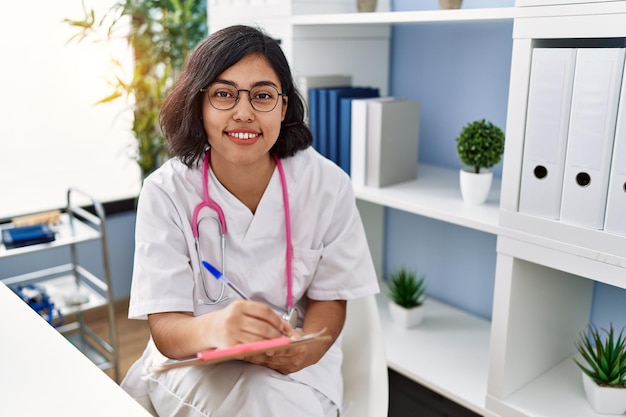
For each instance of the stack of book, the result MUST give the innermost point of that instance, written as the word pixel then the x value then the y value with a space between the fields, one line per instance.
pixel 329 102
pixel 372 138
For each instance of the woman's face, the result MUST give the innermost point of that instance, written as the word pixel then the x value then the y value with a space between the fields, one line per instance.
pixel 243 135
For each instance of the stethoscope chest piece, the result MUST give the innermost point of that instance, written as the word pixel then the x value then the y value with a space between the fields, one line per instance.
pixel 291 317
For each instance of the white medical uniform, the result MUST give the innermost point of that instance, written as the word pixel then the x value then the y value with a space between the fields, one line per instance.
pixel 331 261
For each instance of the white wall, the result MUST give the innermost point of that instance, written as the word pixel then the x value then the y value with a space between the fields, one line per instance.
pixel 52 136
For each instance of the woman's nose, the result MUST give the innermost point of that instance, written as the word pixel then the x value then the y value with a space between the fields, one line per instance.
pixel 243 108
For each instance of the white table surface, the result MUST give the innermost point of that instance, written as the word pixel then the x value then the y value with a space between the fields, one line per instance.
pixel 42 374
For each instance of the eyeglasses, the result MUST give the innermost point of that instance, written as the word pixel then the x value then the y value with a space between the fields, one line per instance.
pixel 224 96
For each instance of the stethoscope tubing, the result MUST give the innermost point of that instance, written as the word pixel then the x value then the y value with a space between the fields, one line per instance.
pixel 208 202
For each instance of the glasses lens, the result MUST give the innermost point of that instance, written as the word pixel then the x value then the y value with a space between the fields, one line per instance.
pixel 222 96
pixel 264 98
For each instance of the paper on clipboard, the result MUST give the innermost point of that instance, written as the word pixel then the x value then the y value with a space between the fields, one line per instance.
pixel 242 350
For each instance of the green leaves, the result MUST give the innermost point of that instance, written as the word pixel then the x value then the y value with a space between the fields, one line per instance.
pixel 606 359
pixel 480 144
pixel 161 33
pixel 405 289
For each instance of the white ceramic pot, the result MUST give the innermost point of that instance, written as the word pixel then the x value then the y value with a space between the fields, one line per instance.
pixel 450 4
pixel 366 5
pixel 406 317
pixel 604 400
pixel 475 187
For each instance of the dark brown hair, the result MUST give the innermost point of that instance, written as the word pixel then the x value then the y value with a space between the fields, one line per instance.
pixel 181 115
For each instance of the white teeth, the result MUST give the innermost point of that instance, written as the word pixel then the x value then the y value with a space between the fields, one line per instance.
pixel 244 136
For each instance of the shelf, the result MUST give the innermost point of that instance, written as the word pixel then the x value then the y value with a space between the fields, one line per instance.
pixel 553 235
pixel 65 235
pixel 447 353
pixel 459 15
pixel 59 288
pixel 422 16
pixel 60 284
pixel 436 194
pixel 558 392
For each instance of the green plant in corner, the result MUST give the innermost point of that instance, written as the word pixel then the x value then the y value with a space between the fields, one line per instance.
pixel 480 144
pixel 406 289
pixel 160 34
pixel 605 359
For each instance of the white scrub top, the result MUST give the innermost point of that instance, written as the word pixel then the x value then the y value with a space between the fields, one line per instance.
pixel 331 258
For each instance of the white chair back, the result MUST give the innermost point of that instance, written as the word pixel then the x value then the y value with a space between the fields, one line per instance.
pixel 364 369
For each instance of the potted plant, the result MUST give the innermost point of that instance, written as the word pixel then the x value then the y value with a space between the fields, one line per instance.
pixel 604 376
pixel 160 33
pixel 450 4
pixel 407 295
pixel 479 146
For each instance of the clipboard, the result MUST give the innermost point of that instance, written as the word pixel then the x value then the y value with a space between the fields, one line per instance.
pixel 213 356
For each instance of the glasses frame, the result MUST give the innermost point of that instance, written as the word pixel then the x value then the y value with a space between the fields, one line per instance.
pixel 239 90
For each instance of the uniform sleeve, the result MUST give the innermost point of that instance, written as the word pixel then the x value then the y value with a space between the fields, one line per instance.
pixel 346 270
pixel 162 277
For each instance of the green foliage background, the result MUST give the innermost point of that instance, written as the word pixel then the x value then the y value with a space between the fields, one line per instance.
pixel 160 33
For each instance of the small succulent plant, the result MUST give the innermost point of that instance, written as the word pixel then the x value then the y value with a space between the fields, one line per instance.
pixel 406 289
pixel 605 357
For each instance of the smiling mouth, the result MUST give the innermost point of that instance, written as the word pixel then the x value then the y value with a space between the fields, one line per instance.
pixel 244 136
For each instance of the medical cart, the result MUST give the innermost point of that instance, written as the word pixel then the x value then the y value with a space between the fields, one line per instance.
pixel 70 287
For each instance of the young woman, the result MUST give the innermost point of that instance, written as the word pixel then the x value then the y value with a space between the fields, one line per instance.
pixel 246 193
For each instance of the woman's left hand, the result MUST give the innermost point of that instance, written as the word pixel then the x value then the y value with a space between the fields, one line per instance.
pixel 285 361
pixel 319 314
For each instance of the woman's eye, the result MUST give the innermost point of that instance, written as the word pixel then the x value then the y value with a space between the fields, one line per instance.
pixel 263 96
pixel 223 94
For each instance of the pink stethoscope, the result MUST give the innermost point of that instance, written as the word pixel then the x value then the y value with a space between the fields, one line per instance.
pixel 291 315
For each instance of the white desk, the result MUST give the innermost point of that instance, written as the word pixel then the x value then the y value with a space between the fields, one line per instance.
pixel 42 374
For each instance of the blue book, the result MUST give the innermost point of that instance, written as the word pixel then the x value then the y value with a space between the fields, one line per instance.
pixel 345 133
pixel 318 117
pixel 334 97
pixel 313 115
pixel 322 121
pixel 340 115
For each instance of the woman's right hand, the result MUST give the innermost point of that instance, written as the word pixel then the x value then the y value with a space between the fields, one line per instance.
pixel 180 335
pixel 245 321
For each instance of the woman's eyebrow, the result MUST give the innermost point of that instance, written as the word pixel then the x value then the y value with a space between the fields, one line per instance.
pixel 256 84
pixel 270 83
pixel 221 81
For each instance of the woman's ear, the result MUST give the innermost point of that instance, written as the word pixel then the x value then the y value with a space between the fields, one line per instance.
pixel 284 109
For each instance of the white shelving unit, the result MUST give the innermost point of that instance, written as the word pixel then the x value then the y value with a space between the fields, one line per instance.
pixel 519 364
pixel 421 16
pixel 71 281
pixel 447 352
pixel 546 269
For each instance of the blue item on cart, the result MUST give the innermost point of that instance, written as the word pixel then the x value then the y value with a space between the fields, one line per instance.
pixel 39 300
pixel 16 237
